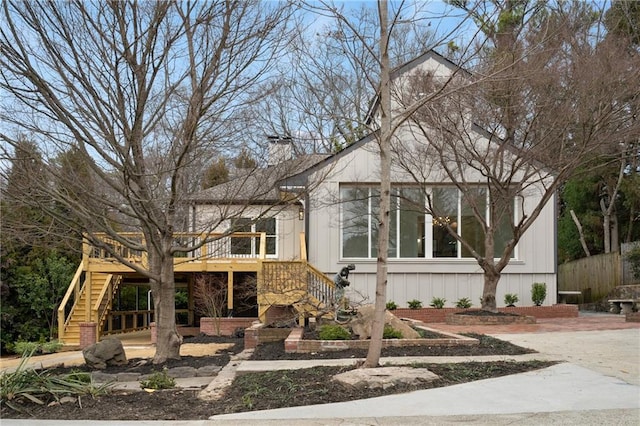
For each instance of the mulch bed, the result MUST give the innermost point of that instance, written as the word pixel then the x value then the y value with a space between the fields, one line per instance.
pixel 270 389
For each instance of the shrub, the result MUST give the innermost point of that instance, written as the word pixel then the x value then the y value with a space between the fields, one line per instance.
pixel 51 347
pixel 391 305
pixel 334 332
pixel 391 333
pixel 511 299
pixel 438 302
pixel 464 303
pixel 538 293
pixel 26 348
pixel 29 348
pixel 158 380
pixel 414 304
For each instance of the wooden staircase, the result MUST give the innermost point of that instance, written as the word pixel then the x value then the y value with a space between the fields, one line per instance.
pixel 87 291
pixel 297 284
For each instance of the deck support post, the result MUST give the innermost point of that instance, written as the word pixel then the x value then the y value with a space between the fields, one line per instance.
pixel 229 290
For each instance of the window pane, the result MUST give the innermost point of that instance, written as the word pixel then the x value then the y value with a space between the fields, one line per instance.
pixel 375 213
pixel 472 231
pixel 267 226
pixel 241 245
pixel 355 222
pixel 411 222
pixel 503 231
pixel 445 211
pixel 393 225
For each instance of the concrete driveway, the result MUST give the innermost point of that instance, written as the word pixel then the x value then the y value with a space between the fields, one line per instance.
pixel 614 353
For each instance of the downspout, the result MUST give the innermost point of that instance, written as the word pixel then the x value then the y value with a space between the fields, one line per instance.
pixel 306 222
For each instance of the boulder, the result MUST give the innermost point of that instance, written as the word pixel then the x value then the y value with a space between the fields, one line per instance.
pixel 384 377
pixel 362 323
pixel 106 352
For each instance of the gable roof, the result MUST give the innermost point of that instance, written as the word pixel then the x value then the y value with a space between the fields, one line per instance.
pixel 409 66
pixel 264 186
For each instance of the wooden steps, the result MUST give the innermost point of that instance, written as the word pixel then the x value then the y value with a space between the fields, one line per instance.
pixel 81 311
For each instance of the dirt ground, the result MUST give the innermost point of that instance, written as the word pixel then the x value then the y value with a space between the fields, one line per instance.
pixel 262 390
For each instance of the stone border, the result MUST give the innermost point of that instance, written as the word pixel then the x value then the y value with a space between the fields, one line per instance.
pixel 456 319
pixel 433 315
pixel 294 343
pixel 176 372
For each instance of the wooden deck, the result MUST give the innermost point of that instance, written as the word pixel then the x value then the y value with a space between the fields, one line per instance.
pixel 90 296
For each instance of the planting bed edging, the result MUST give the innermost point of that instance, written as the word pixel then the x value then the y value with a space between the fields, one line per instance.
pixel 296 344
pixel 258 333
pixel 431 315
pixel 456 319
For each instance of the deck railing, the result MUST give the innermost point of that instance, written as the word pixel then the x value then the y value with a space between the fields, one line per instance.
pixel 320 286
pixel 243 245
pixel 105 300
pixel 283 278
pixel 69 300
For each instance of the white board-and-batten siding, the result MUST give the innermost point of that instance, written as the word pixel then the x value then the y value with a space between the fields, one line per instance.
pixel 424 278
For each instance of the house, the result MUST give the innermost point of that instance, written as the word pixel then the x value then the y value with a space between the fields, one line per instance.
pixel 291 226
pixel 339 223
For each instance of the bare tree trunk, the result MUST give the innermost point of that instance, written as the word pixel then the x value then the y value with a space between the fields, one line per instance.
pixel 377 329
pixel 163 291
pixel 608 211
pixel 606 226
pixel 580 233
pixel 491 278
pixel 615 233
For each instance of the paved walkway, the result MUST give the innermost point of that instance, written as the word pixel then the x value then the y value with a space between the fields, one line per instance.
pixel 599 384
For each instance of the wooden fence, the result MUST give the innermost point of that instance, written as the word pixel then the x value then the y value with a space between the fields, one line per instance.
pixel 595 275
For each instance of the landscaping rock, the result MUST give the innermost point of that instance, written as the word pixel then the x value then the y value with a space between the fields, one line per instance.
pixel 208 371
pixel 362 323
pixel 384 377
pixel 106 352
pixel 100 377
pixel 181 372
pixel 127 377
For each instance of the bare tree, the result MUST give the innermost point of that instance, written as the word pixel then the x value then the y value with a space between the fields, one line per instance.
pixel 140 91
pixel 369 49
pixel 508 142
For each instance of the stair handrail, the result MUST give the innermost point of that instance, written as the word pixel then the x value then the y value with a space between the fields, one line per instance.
pixel 105 299
pixel 74 288
pixel 319 285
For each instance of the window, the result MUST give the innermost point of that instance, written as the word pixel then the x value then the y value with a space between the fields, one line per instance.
pixel 356 222
pixel 360 209
pixel 409 235
pixel 250 246
pixel 445 208
pixel 470 229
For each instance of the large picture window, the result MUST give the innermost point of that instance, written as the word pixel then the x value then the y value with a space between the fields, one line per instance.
pixel 412 232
